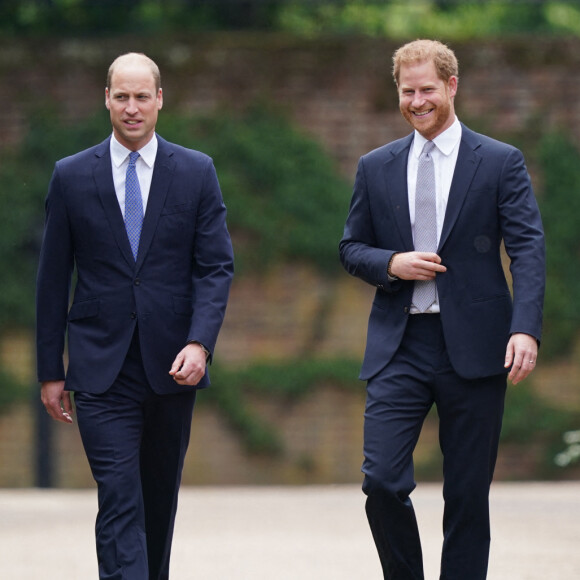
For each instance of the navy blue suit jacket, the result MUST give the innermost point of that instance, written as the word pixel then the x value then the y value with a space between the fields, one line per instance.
pixel 176 291
pixel 491 200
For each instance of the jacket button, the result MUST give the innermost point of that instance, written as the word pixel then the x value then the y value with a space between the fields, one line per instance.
pixel 406 310
pixel 137 282
pixel 133 315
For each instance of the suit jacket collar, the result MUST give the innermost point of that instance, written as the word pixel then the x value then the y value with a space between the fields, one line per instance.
pixel 468 161
pixel 162 171
pixel 103 176
pixel 395 176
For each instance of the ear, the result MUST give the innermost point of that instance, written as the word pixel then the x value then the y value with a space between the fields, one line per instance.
pixel 452 86
pixel 160 100
pixel 107 99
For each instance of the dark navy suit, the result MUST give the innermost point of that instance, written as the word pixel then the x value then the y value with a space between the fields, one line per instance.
pixel 127 322
pixel 454 360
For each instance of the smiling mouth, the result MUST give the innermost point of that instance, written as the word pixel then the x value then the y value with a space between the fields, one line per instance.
pixel 421 113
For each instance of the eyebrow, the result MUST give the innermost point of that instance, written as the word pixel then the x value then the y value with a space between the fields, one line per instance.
pixel 118 92
pixel 420 88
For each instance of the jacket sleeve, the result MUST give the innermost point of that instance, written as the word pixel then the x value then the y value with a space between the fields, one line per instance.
pixel 524 242
pixel 213 264
pixel 53 284
pixel 358 249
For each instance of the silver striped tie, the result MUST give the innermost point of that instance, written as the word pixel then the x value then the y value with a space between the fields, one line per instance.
pixel 425 293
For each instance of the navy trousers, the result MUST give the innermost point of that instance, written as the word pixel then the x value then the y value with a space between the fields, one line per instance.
pixel 470 415
pixel 135 441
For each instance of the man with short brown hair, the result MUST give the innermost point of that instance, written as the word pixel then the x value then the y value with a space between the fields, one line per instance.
pixel 427 219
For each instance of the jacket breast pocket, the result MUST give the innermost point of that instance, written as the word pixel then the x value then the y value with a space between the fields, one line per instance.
pixel 176 225
pixel 189 206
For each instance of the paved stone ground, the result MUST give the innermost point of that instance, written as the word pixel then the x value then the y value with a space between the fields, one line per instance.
pixel 290 533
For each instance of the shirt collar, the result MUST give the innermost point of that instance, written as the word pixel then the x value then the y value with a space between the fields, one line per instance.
pixel 119 153
pixel 445 142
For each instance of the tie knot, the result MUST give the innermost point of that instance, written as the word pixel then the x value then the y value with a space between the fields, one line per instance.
pixel 133 156
pixel 427 148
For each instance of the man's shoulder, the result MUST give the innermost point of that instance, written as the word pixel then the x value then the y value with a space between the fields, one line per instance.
pixel 487 143
pixel 180 152
pixel 81 157
pixel 389 150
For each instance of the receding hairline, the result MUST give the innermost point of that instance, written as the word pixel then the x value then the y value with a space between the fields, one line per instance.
pixel 424 50
pixel 138 58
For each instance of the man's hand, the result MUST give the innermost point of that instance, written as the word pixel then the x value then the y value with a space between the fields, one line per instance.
pixel 416 266
pixel 521 355
pixel 189 365
pixel 57 401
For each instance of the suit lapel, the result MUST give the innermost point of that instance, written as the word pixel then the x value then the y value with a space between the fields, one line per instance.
pixel 467 163
pixel 103 176
pixel 395 177
pixel 162 171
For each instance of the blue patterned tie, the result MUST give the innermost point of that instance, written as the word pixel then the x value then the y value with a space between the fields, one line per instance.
pixel 133 204
pixel 425 292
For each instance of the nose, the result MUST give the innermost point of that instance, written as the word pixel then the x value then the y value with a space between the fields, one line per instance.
pixel 417 100
pixel 131 107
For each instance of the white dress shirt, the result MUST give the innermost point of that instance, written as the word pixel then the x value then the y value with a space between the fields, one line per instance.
pixel 444 160
pixel 144 167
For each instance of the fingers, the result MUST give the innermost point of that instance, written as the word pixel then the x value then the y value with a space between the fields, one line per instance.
pixel 189 366
pixel 509 355
pixel 67 409
pixel 417 265
pixel 189 375
pixel 427 272
pixel 521 355
pixel 59 414
pixel 57 401
pixel 429 257
pixel 430 265
pixel 521 370
pixel 177 364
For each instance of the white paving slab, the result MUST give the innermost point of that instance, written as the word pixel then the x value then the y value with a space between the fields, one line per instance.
pixel 290 533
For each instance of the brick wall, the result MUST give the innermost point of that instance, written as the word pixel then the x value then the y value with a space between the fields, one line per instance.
pixel 340 92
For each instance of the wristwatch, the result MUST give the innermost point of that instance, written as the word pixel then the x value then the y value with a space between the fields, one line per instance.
pixel 390 275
